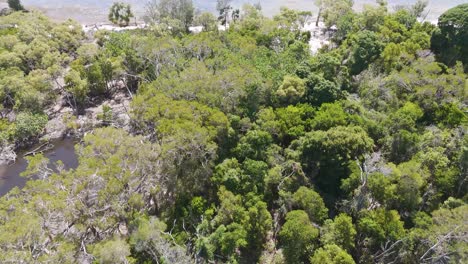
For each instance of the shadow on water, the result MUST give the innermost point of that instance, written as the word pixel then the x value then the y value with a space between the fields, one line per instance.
pixel 10 175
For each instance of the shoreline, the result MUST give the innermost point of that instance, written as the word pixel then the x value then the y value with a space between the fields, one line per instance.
pixel 95 13
pixel 97 17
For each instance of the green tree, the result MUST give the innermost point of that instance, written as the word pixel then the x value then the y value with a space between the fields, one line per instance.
pixel 231 131
pixel 239 227
pixel 340 232
pixel 372 17
pixel 259 225
pixel 188 133
pixel 406 117
pixel 298 237
pixel 77 87
pixel 292 19
pixel 449 40
pixel 254 145
pixel 120 14
pixel 312 203
pixel 328 116
pixel 321 90
pixel 113 251
pixel 439 173
pixel 224 8
pixel 28 126
pixel 286 124
pixel 451 115
pixel 291 90
pixel 15 5
pixel 338 143
pixel 379 226
pixel 207 20
pixel 418 8
pixel 102 207
pixel 320 4
pixel 229 174
pixel 366 48
pixel 403 139
pixel 332 11
pixel 409 183
pixel 324 154
pixel 251 20
pixel 172 13
pixel 149 238
pixel 435 237
pixel 332 254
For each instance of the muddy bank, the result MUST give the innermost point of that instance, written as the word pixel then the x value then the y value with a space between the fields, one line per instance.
pixel 63 121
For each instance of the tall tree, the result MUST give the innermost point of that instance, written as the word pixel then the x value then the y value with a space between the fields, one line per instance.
pixel 340 232
pixel 120 14
pixel 15 5
pixel 207 20
pixel 298 237
pixel 311 202
pixel 171 12
pixel 450 40
pixel 418 8
pixel 332 10
pixel 319 4
pixel 224 7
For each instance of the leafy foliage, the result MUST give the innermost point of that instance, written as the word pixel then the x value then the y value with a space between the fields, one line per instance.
pixel 177 15
pixel 331 254
pixel 120 14
pixel 298 236
pixel 242 146
pixel 449 40
pixel 15 5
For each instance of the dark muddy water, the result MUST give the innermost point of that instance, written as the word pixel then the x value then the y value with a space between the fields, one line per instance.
pixel 10 175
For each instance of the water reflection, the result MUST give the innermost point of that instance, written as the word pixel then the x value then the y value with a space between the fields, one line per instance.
pixel 10 175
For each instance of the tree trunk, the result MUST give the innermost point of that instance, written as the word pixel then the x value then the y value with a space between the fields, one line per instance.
pixel 318 17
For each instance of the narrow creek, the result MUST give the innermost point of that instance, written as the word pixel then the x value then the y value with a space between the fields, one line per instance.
pixel 10 174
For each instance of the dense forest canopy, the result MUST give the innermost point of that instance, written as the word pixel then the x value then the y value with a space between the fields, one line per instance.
pixel 240 145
